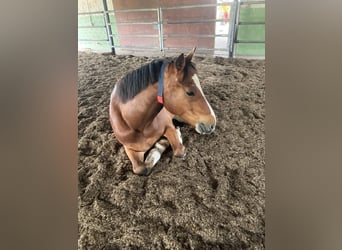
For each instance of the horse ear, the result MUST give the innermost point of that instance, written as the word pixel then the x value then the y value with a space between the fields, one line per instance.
pixel 180 62
pixel 190 55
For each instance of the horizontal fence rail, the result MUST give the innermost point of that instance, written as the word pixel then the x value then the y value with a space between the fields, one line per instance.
pixel 232 34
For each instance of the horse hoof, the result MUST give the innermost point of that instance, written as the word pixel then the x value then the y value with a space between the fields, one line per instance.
pixel 147 171
pixel 180 155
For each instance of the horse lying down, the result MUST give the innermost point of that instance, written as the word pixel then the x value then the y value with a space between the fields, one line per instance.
pixel 144 103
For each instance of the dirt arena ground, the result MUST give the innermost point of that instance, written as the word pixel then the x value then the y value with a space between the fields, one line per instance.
pixel 213 199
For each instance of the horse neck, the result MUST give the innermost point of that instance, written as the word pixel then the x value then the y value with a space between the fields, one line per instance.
pixel 147 107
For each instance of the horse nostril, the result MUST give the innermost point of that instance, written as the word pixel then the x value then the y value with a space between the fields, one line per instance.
pixel 206 128
pixel 202 127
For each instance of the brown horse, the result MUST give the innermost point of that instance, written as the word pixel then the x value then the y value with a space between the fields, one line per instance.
pixel 144 103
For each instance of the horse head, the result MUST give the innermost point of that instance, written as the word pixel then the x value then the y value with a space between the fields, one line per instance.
pixel 184 97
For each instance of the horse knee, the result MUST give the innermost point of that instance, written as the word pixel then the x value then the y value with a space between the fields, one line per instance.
pixel 144 167
pixel 141 170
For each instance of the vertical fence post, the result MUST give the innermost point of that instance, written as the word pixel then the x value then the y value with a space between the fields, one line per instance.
pixel 108 26
pixel 236 26
pixel 160 30
pixel 233 22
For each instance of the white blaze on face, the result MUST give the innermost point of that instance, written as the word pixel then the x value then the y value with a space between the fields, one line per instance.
pixel 198 85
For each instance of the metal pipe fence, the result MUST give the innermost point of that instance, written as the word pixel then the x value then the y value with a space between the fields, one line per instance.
pixel 232 32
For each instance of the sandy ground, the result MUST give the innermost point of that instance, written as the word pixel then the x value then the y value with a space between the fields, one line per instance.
pixel 214 199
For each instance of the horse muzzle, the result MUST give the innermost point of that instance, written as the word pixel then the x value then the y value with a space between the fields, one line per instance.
pixel 205 128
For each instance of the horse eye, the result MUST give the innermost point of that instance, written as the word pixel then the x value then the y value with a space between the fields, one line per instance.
pixel 190 93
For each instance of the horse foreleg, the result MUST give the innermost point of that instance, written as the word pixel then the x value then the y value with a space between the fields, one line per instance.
pixel 137 160
pixel 142 167
pixel 175 138
pixel 155 153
